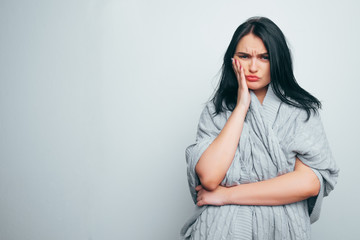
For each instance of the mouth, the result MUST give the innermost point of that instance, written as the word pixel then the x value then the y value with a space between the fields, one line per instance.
pixel 252 78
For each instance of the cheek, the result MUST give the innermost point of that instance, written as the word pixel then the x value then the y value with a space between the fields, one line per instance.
pixel 266 70
pixel 243 63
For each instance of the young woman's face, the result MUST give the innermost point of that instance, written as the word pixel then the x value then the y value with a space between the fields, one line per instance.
pixel 254 58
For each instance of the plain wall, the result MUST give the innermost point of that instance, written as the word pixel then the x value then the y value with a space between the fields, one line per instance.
pixel 99 99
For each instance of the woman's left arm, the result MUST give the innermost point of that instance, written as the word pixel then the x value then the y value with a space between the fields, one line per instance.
pixel 291 187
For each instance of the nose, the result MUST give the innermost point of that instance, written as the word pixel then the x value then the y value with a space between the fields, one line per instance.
pixel 253 68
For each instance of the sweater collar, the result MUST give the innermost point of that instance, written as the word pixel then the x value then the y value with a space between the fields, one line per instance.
pixel 270 106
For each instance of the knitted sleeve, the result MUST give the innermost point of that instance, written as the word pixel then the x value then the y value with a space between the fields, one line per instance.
pixel 208 129
pixel 312 148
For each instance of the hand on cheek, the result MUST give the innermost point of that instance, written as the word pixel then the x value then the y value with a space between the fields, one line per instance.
pixel 243 98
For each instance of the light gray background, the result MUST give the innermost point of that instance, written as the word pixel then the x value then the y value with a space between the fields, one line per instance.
pixel 99 99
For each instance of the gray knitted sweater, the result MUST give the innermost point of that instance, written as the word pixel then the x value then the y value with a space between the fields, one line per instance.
pixel 274 133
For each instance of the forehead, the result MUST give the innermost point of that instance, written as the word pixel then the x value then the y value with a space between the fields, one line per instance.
pixel 251 43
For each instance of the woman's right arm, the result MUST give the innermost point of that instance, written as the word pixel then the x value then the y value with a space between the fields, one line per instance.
pixel 217 158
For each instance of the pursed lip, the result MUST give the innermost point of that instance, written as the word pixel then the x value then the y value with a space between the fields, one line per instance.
pixel 252 77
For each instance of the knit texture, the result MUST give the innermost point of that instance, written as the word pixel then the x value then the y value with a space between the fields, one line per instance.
pixel 274 134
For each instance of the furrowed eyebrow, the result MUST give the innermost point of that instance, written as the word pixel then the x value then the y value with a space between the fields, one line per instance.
pixel 248 54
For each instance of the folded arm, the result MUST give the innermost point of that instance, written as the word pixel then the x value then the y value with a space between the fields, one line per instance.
pixel 217 158
pixel 295 186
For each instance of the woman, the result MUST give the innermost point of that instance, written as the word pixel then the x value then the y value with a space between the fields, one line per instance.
pixel 261 163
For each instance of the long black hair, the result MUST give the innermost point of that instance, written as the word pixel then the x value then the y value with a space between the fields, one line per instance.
pixel 281 70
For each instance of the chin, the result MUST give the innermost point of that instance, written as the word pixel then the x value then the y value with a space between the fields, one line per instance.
pixel 255 86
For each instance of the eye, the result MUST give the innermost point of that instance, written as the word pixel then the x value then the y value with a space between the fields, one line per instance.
pixel 243 56
pixel 265 57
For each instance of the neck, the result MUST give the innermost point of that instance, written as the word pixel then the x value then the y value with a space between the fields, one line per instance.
pixel 261 93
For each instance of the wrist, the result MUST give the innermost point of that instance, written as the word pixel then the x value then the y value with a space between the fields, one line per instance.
pixel 229 199
pixel 235 195
pixel 241 108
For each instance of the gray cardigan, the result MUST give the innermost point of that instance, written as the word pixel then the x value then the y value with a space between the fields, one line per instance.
pixel 274 133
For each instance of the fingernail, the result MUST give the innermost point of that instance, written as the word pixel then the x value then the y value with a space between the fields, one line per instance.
pixel 232 60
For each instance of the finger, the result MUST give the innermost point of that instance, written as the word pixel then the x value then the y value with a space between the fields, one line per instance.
pixel 234 65
pixel 243 79
pixel 238 66
pixel 236 70
pixel 200 203
pixel 198 187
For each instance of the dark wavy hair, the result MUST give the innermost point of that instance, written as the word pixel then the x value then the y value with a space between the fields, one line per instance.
pixel 281 69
